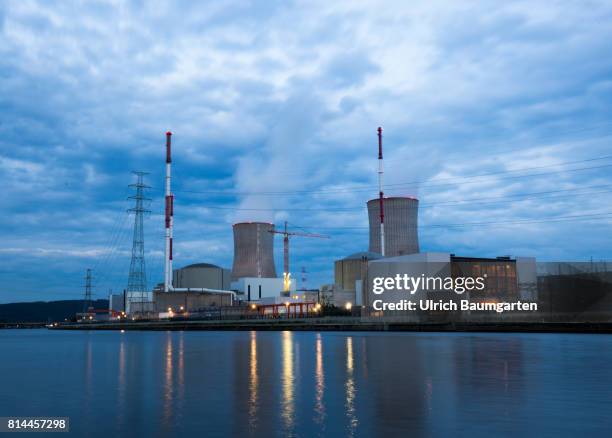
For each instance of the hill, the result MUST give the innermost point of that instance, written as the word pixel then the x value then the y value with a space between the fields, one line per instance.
pixel 44 311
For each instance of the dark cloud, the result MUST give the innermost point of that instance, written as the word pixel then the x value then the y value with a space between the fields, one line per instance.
pixel 279 96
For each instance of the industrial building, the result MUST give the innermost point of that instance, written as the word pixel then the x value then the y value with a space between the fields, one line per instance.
pixel 563 290
pixel 116 302
pixel 189 301
pixel 253 250
pixel 352 268
pixel 575 291
pixel 349 274
pixel 400 216
pixel 400 225
pixel 505 279
pixel 201 275
pixel 256 288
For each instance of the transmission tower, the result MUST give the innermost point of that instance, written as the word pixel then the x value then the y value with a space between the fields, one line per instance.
pixel 87 299
pixel 137 280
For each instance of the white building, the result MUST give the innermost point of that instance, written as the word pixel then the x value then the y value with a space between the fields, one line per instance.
pixel 116 302
pixel 138 302
pixel 256 288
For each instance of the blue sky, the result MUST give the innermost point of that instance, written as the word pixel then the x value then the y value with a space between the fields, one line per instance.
pixel 274 107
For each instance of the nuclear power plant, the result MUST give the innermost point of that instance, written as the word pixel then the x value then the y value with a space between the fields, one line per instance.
pixel 252 287
pixel 401 226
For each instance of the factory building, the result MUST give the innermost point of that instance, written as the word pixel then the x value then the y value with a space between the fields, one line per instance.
pixel 506 279
pixel 190 301
pixel 352 268
pixel 349 274
pixel 201 275
pixel 575 291
pixel 253 250
pixel 116 303
pixel 400 225
pixel 257 288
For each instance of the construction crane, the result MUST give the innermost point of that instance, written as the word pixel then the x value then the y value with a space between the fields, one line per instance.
pixel 286 233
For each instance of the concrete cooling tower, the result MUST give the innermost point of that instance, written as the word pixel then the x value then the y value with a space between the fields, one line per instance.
pixel 401 231
pixel 253 250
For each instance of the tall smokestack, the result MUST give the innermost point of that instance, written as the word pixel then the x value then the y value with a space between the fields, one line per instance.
pixel 380 193
pixel 169 217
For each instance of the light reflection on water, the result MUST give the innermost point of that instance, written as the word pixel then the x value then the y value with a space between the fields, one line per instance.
pixel 320 382
pixel 309 384
pixel 253 382
pixel 350 388
pixel 168 381
pixel 288 382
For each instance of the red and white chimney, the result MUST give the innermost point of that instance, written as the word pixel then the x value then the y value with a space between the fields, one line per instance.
pixel 169 217
pixel 380 193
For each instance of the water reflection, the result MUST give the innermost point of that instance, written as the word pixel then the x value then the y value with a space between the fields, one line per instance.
pixel 350 388
pixel 253 381
pixel 364 384
pixel 121 384
pixel 88 377
pixel 168 378
pixel 287 410
pixel 181 371
pixel 319 381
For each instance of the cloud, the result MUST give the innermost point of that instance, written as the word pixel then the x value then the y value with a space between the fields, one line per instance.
pixel 284 98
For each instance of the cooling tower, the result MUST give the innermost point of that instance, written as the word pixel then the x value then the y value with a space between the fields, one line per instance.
pixel 253 250
pixel 401 231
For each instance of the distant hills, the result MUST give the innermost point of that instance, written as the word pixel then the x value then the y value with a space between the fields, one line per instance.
pixel 44 311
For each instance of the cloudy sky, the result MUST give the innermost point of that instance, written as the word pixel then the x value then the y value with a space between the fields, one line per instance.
pixel 497 115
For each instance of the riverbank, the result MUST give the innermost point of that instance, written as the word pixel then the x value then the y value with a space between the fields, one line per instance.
pixel 342 324
pixel 22 325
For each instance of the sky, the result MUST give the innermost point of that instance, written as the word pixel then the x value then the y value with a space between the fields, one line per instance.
pixel 496 115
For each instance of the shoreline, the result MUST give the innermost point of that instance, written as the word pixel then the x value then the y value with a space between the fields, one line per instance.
pixel 346 325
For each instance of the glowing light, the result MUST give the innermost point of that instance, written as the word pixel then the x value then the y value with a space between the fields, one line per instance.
pixel 286 281
pixel 182 308
pixel 253 306
pixel 348 306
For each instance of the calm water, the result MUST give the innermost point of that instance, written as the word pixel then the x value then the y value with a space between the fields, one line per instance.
pixel 310 384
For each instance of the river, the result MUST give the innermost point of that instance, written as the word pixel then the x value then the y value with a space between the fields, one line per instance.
pixel 163 384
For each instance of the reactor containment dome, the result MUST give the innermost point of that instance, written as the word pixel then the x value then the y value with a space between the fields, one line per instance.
pixel 253 250
pixel 400 221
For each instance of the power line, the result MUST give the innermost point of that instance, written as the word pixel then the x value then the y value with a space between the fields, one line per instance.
pixel 462 224
pixel 470 201
pixel 489 143
pixel 421 184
